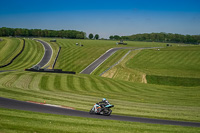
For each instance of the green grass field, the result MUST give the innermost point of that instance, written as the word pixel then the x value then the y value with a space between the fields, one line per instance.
pixel 9 48
pixel 76 58
pixel 173 61
pixel 177 66
pixel 124 88
pixel 122 72
pixel 12 121
pixel 169 66
pixel 82 91
pixel 32 54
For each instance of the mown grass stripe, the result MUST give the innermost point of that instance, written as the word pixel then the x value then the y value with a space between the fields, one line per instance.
pixel 34 85
pixel 51 83
pixel 83 84
pixel 7 80
pixel 70 82
pixel 43 82
pixel 63 83
pixel 93 84
pixel 23 81
pixel 57 82
pixel 10 50
pixel 25 58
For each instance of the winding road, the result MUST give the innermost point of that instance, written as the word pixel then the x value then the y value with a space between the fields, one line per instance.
pixel 21 105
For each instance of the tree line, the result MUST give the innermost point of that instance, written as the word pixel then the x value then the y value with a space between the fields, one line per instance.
pixel 160 37
pixel 4 31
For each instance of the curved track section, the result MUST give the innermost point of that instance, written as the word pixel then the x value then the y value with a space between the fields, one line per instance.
pixel 20 105
pixel 47 55
pixel 89 69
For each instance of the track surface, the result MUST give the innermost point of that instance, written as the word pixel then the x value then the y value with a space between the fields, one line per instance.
pixel 99 61
pixel 20 105
pixel 47 55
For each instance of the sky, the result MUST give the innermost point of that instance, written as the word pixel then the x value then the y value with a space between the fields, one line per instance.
pixel 104 17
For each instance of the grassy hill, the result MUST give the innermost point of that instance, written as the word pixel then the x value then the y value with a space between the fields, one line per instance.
pixel 9 48
pixel 122 89
pixel 32 54
pixel 167 66
pixel 82 91
pixel 75 58
pixel 172 61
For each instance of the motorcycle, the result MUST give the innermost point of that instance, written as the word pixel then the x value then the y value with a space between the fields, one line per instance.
pixel 102 110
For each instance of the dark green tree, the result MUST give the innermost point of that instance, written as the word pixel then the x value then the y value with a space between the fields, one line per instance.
pixel 111 37
pixel 96 37
pixel 116 37
pixel 90 36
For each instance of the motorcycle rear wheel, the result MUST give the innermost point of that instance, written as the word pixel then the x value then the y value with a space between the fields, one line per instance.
pixel 91 111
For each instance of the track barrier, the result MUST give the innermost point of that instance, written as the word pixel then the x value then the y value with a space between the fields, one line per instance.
pixel 50 71
pixel 56 58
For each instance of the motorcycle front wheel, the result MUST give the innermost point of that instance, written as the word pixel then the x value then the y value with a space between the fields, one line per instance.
pixel 108 112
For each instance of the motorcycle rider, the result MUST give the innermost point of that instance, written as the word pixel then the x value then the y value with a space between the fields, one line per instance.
pixel 102 104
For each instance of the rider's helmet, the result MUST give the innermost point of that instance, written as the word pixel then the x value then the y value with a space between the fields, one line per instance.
pixel 103 99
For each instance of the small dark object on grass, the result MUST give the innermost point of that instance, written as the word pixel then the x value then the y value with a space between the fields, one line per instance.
pixel 53 40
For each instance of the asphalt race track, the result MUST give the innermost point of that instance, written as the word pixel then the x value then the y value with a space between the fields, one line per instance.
pixel 99 61
pixel 47 55
pixel 20 105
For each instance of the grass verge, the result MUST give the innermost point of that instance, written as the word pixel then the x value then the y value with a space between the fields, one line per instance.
pixel 13 121
pixel 173 81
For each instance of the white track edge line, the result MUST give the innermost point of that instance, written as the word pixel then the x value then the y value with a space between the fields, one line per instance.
pixel 44 52
pixel 97 59
pixel 103 61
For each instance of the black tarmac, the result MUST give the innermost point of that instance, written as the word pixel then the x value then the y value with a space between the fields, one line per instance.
pixel 21 105
pixel 99 61
pixel 47 55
